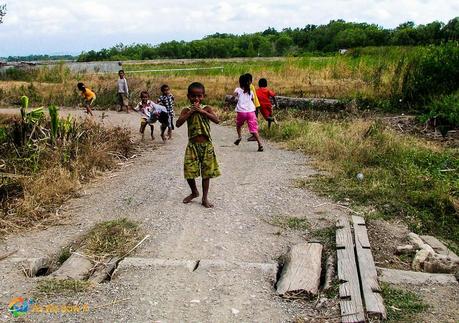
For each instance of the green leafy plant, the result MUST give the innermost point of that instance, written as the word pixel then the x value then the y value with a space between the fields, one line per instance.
pixel 54 124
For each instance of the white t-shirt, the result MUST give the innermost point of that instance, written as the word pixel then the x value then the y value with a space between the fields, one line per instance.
pixel 244 101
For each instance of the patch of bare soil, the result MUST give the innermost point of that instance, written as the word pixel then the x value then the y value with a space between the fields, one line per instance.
pixel 385 237
pixel 410 125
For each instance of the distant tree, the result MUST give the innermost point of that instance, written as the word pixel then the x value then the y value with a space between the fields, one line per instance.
pixel 2 12
pixel 451 29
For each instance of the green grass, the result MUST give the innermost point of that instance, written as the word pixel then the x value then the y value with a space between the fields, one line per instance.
pixel 404 176
pixel 111 238
pixel 64 255
pixel 401 306
pixel 62 286
pixel 292 223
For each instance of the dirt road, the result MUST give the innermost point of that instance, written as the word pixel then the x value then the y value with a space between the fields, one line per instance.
pixel 206 265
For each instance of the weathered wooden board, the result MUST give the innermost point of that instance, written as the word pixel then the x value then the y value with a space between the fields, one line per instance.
pixel 301 272
pixel 374 303
pixel 349 289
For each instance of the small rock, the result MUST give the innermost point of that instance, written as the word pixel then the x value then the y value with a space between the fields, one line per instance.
pixel 195 301
pixel 235 311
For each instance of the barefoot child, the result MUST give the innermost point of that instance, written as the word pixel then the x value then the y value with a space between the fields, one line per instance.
pixel 167 99
pixel 245 111
pixel 159 113
pixel 264 96
pixel 200 159
pixel 123 92
pixel 89 97
pixel 145 107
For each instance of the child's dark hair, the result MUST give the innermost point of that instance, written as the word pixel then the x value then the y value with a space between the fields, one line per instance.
pixel 262 82
pixel 80 86
pixel 244 83
pixel 164 87
pixel 144 93
pixel 249 76
pixel 196 85
pixel 121 71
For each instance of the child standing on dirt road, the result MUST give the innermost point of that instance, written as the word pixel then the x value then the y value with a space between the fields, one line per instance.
pixel 245 110
pixel 167 99
pixel 89 97
pixel 200 159
pixel 144 107
pixel 264 96
pixel 123 92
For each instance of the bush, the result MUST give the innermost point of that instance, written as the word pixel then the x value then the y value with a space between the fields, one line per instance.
pixel 445 109
pixel 430 72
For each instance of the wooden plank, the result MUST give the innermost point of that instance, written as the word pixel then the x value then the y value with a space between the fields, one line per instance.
pixel 374 303
pixel 349 290
pixel 301 272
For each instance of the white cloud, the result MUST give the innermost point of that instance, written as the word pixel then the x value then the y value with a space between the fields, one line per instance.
pixel 46 26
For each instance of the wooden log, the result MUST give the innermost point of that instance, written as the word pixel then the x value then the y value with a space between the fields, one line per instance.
pixel 374 303
pixel 103 271
pixel 349 290
pixel 329 272
pixel 284 102
pixel 301 272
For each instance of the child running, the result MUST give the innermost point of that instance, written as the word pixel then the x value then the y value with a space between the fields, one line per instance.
pixel 167 99
pixel 264 96
pixel 144 107
pixel 245 109
pixel 89 97
pixel 159 113
pixel 200 159
pixel 123 92
pixel 256 102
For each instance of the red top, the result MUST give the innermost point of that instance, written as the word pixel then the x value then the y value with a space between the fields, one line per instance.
pixel 263 94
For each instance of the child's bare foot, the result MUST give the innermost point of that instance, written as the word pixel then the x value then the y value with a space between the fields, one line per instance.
pixel 207 204
pixel 152 137
pixel 190 197
pixel 238 141
pixel 163 137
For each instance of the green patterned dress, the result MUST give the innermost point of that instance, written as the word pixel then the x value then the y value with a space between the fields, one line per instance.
pixel 200 159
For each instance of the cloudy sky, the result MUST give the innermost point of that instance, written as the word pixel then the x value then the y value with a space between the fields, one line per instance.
pixel 63 26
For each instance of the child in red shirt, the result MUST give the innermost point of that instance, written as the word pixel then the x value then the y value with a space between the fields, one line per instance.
pixel 264 96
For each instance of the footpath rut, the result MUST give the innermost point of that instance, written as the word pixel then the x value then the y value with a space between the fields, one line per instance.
pixel 206 265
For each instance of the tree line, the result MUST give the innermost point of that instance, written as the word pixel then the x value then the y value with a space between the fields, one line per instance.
pixel 335 35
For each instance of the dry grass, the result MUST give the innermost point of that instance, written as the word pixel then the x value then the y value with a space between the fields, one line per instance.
pixel 404 177
pixel 336 77
pixel 111 238
pixel 37 178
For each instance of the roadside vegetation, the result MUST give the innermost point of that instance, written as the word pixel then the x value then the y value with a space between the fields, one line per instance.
pixel 44 160
pixel 404 176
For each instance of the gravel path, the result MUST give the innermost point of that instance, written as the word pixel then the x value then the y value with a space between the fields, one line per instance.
pixel 234 243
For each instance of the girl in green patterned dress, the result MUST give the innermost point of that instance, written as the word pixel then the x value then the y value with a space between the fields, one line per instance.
pixel 200 159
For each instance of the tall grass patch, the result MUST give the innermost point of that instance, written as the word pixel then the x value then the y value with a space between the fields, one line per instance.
pixel 44 161
pixel 404 177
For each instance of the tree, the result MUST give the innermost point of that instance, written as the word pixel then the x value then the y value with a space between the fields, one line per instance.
pixel 2 12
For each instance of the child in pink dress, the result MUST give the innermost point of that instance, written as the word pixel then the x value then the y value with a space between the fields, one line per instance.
pixel 245 110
